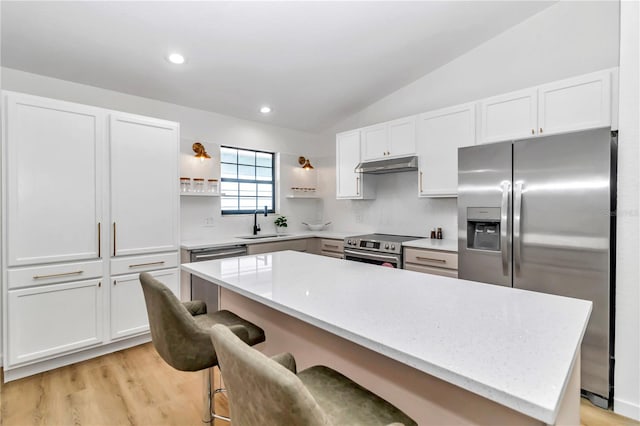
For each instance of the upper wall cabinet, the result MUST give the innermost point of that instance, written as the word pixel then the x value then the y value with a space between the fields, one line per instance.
pixel 509 116
pixel 575 104
pixel 144 184
pixel 390 139
pixel 53 166
pixel 349 183
pixel 569 105
pixel 440 134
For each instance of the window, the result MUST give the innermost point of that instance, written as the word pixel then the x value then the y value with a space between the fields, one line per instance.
pixel 247 180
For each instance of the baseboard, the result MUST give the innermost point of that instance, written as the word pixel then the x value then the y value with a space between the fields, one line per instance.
pixel 626 408
pixel 61 361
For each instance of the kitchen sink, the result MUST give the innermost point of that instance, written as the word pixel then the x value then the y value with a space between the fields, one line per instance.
pixel 257 237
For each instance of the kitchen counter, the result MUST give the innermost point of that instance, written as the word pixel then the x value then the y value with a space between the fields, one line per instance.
pixel 513 347
pixel 231 241
pixel 433 244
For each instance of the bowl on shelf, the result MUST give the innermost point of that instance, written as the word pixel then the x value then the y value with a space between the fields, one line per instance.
pixel 316 226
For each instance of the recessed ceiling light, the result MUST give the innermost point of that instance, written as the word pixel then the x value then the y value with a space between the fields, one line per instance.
pixel 265 109
pixel 176 58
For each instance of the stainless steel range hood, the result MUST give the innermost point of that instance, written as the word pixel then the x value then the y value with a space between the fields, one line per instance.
pixel 391 165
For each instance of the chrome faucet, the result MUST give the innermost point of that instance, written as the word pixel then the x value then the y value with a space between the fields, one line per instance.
pixel 256 227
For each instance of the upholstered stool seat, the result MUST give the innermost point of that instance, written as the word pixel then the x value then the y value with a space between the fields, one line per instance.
pixel 265 391
pixel 180 333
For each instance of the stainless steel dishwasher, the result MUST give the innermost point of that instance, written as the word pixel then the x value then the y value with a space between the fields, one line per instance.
pixel 206 290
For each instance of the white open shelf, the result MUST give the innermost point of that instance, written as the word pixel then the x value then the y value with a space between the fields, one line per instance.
pixel 201 194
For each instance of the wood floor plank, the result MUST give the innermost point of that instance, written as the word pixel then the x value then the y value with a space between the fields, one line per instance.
pixel 136 387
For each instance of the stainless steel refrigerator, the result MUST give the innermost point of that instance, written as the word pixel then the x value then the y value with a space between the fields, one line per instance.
pixel 539 214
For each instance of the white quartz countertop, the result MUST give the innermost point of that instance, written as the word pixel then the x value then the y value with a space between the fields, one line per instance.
pixel 511 346
pixel 433 244
pixel 232 241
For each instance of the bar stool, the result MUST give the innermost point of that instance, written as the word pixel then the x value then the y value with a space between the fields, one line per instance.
pixel 180 332
pixel 264 391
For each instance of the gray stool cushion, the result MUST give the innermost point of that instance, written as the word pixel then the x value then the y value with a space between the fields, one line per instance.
pixel 347 403
pixel 180 331
pixel 265 391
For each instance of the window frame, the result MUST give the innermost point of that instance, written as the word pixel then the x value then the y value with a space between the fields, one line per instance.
pixel 257 182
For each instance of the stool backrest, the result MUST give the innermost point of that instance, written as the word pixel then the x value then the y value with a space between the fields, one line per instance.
pixel 260 390
pixel 174 332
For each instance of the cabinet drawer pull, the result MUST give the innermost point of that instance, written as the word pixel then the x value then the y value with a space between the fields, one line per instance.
pixel 430 259
pixel 137 265
pixel 331 245
pixel 63 274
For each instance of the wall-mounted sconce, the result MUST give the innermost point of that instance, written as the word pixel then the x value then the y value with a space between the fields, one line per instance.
pixel 304 162
pixel 201 153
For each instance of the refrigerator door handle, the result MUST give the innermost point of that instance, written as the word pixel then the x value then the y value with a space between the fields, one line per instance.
pixel 504 214
pixel 517 213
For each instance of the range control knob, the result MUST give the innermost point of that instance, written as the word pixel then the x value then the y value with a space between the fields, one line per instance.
pixel 393 247
pixel 386 246
pixel 349 242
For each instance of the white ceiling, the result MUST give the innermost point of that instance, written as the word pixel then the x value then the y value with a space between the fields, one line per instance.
pixel 315 63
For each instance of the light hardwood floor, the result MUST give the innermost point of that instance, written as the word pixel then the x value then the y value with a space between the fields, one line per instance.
pixel 136 387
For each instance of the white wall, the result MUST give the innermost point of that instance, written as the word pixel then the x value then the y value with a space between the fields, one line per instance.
pixel 627 347
pixel 212 130
pixel 567 39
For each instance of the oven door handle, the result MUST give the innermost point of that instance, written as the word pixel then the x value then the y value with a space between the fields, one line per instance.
pixel 363 255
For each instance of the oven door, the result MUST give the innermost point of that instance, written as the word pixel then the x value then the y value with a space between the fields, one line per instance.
pixel 382 259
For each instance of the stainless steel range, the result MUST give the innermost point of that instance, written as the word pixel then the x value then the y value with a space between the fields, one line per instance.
pixel 377 249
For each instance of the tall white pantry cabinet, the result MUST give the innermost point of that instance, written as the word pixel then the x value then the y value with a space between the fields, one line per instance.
pixel 90 200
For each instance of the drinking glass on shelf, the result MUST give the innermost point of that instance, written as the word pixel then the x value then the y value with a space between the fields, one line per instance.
pixel 212 186
pixel 198 184
pixel 185 184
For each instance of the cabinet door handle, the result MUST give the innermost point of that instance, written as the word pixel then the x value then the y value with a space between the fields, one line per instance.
pixel 99 241
pixel 421 182
pixel 114 238
pixel 114 282
pixel 533 132
pixel 540 129
pixel 99 283
pixel 62 274
pixel 431 259
pixel 358 185
pixel 137 265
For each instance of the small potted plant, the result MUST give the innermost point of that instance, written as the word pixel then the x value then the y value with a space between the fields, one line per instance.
pixel 281 224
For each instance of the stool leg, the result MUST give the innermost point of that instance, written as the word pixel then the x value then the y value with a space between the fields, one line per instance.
pixel 207 397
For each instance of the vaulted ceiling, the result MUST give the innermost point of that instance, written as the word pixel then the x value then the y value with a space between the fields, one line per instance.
pixel 314 63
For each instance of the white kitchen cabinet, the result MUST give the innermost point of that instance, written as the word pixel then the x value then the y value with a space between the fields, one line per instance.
pixel 54 319
pixel 67 166
pixel 440 134
pixel 391 139
pixel 578 103
pixel 144 184
pixel 574 104
pixel 128 309
pixel 374 141
pixel 509 116
pixel 53 163
pixel 349 183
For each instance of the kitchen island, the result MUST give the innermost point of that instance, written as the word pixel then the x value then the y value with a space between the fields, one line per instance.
pixel 445 351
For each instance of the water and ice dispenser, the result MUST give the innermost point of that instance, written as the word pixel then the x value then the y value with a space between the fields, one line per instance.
pixel 483 228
